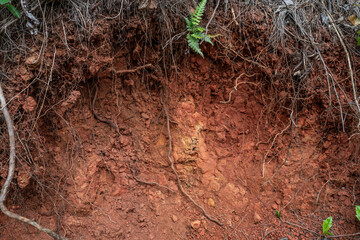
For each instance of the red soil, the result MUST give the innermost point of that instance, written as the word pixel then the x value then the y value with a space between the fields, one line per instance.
pixel 240 160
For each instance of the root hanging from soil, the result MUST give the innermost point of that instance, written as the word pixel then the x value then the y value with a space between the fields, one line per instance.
pixel 177 175
pixel 10 175
pixel 110 123
pixel 149 183
pixel 131 70
pixel 237 84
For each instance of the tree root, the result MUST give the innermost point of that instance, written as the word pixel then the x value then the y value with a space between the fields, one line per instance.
pixel 5 187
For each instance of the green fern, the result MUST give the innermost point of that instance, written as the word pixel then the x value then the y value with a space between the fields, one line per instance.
pixel 196 32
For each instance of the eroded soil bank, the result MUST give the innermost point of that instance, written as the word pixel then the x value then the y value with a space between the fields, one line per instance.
pixel 241 149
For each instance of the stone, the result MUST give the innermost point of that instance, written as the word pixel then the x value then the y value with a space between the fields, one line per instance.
pixel 196 224
pixel 145 116
pixel 214 185
pixel 174 218
pixel 257 218
pixel 211 202
pixel 29 105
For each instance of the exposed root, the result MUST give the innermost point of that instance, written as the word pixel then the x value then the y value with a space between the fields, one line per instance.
pixel 237 84
pixel 110 123
pixel 317 234
pixel 131 70
pixel 10 175
pixel 149 183
pixel 299 226
pixel 347 58
pixel 272 144
pixel 177 175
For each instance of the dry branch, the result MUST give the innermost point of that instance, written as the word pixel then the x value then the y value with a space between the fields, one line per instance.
pixel 5 187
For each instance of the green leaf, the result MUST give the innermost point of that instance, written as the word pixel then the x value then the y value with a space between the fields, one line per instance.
pixel 207 39
pixel 213 36
pixel 197 35
pixel 357 209
pixel 194 44
pixel 278 214
pixel 327 224
pixel 13 10
pixel 3 2
pixel 200 29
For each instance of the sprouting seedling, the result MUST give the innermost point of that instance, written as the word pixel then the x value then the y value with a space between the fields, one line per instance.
pixel 10 7
pixel 357 210
pixel 195 31
pixel 327 224
pixel 278 214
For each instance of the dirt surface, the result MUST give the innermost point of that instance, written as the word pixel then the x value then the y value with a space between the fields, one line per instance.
pixel 101 162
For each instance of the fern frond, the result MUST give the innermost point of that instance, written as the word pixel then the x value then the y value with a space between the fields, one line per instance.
pixel 194 44
pixel 197 35
pixel 189 24
pixel 199 12
pixel 208 39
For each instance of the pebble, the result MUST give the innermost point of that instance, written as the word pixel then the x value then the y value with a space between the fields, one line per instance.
pixel 211 202
pixel 174 218
pixel 257 218
pixel 145 116
pixel 195 224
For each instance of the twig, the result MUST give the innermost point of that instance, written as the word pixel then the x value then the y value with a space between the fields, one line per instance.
pixel 299 226
pixel 5 187
pixel 131 70
pixel 177 175
pixel 345 235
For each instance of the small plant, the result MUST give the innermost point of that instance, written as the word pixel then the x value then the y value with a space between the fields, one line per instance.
pixel 357 210
pixel 195 31
pixel 327 224
pixel 278 214
pixel 12 9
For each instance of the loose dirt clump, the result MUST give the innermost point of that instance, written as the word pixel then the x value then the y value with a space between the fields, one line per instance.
pixel 125 139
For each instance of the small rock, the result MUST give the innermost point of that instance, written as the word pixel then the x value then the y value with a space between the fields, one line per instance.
pixel 33 62
pixel 257 218
pixel 174 218
pixel 204 224
pixel 274 206
pixel 195 224
pixel 214 185
pixel 145 116
pixel 30 104
pixel 211 202
pixel 124 141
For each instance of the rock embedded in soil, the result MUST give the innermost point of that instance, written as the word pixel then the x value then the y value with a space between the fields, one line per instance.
pixel 211 202
pixel 29 105
pixel 174 218
pixel 195 224
pixel 257 218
